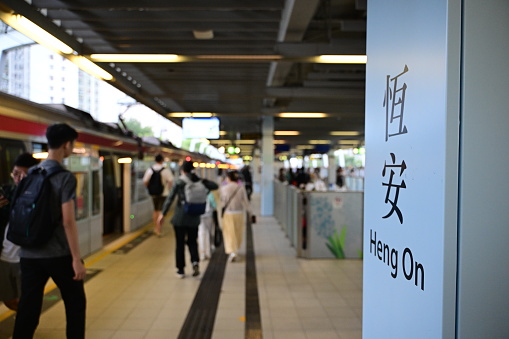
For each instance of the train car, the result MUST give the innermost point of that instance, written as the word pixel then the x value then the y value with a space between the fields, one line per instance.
pixel 108 163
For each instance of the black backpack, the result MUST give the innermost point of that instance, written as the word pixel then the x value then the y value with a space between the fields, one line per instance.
pixel 34 214
pixel 155 185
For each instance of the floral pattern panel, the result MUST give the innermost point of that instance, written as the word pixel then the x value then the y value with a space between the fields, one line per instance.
pixel 335 222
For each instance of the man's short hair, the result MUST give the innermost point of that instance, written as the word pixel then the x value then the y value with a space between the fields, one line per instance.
pixel 59 134
pixel 159 158
pixel 187 166
pixel 25 160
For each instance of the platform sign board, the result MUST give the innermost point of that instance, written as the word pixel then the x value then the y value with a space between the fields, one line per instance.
pixel 409 263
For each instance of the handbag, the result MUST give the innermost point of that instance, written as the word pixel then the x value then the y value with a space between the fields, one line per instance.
pixel 228 202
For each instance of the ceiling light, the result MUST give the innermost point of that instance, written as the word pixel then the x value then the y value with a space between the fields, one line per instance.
pixel 203 34
pixel 201 115
pixel 342 59
pixel 240 57
pixel 223 132
pixel 34 32
pixel 305 147
pixel 349 142
pixel 302 115
pixel 89 67
pixel 279 142
pixel 190 115
pixel 286 132
pixel 245 142
pixel 135 57
pixel 319 142
pixel 344 133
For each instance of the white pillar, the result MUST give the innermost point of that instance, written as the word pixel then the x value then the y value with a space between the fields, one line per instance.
pixel 267 179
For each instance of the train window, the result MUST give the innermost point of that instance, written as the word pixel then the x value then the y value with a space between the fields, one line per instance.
pixel 96 193
pixel 137 181
pixel 9 150
pixel 39 148
pixel 81 195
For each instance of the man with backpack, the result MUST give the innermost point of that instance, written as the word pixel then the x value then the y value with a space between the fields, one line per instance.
pixel 191 193
pixel 158 180
pixel 59 257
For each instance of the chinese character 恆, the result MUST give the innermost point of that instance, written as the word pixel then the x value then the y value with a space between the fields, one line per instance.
pixel 394 103
pixel 391 184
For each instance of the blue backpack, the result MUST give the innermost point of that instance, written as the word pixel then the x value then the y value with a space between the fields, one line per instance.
pixel 34 215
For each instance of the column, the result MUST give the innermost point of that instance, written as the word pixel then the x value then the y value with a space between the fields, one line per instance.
pixel 436 216
pixel 267 178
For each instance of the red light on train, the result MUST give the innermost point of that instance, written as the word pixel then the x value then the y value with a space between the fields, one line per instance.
pixel 188 158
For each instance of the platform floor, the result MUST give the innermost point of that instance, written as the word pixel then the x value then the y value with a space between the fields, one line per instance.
pixel 135 294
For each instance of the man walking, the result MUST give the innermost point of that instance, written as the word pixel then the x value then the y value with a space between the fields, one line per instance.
pixel 60 257
pixel 158 180
pixel 184 223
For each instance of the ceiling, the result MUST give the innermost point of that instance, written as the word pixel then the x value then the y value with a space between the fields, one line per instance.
pixel 239 92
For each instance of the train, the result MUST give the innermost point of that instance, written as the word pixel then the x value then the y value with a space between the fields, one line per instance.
pixel 108 162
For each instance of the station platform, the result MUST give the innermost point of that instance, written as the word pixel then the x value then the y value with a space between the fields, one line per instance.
pixel 132 292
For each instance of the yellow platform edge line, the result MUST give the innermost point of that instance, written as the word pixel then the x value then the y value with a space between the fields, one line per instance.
pixel 94 258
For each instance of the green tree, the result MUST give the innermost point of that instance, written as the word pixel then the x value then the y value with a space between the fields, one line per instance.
pixel 135 126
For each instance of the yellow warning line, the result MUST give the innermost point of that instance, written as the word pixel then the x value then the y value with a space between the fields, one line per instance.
pixel 94 259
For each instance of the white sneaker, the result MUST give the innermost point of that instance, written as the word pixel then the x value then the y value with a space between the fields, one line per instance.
pixel 232 257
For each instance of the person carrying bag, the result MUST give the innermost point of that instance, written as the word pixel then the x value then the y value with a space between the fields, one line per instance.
pixel 236 203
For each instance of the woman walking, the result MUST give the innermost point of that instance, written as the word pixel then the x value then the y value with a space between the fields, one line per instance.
pixel 235 204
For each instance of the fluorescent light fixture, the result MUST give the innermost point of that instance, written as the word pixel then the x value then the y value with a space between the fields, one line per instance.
pixel 286 133
pixel 179 115
pixel 240 57
pixel 302 115
pixel 89 67
pixel 305 147
pixel 245 142
pixel 203 34
pixel 344 133
pixel 125 160
pixel 34 32
pixel 223 132
pixel 134 57
pixel 319 142
pixel 190 115
pixel 279 142
pixel 349 142
pixel 343 59
pixel 201 114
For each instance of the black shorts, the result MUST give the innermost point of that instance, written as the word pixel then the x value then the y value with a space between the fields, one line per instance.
pixel 158 201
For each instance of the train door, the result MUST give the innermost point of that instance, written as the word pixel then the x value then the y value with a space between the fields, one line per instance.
pixel 96 203
pixel 88 201
pixel 112 193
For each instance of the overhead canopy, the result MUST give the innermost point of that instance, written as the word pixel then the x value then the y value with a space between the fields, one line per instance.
pixel 210 36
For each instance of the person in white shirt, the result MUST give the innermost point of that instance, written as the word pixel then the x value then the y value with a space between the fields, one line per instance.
pixel 10 274
pixel 234 197
pixel 166 181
